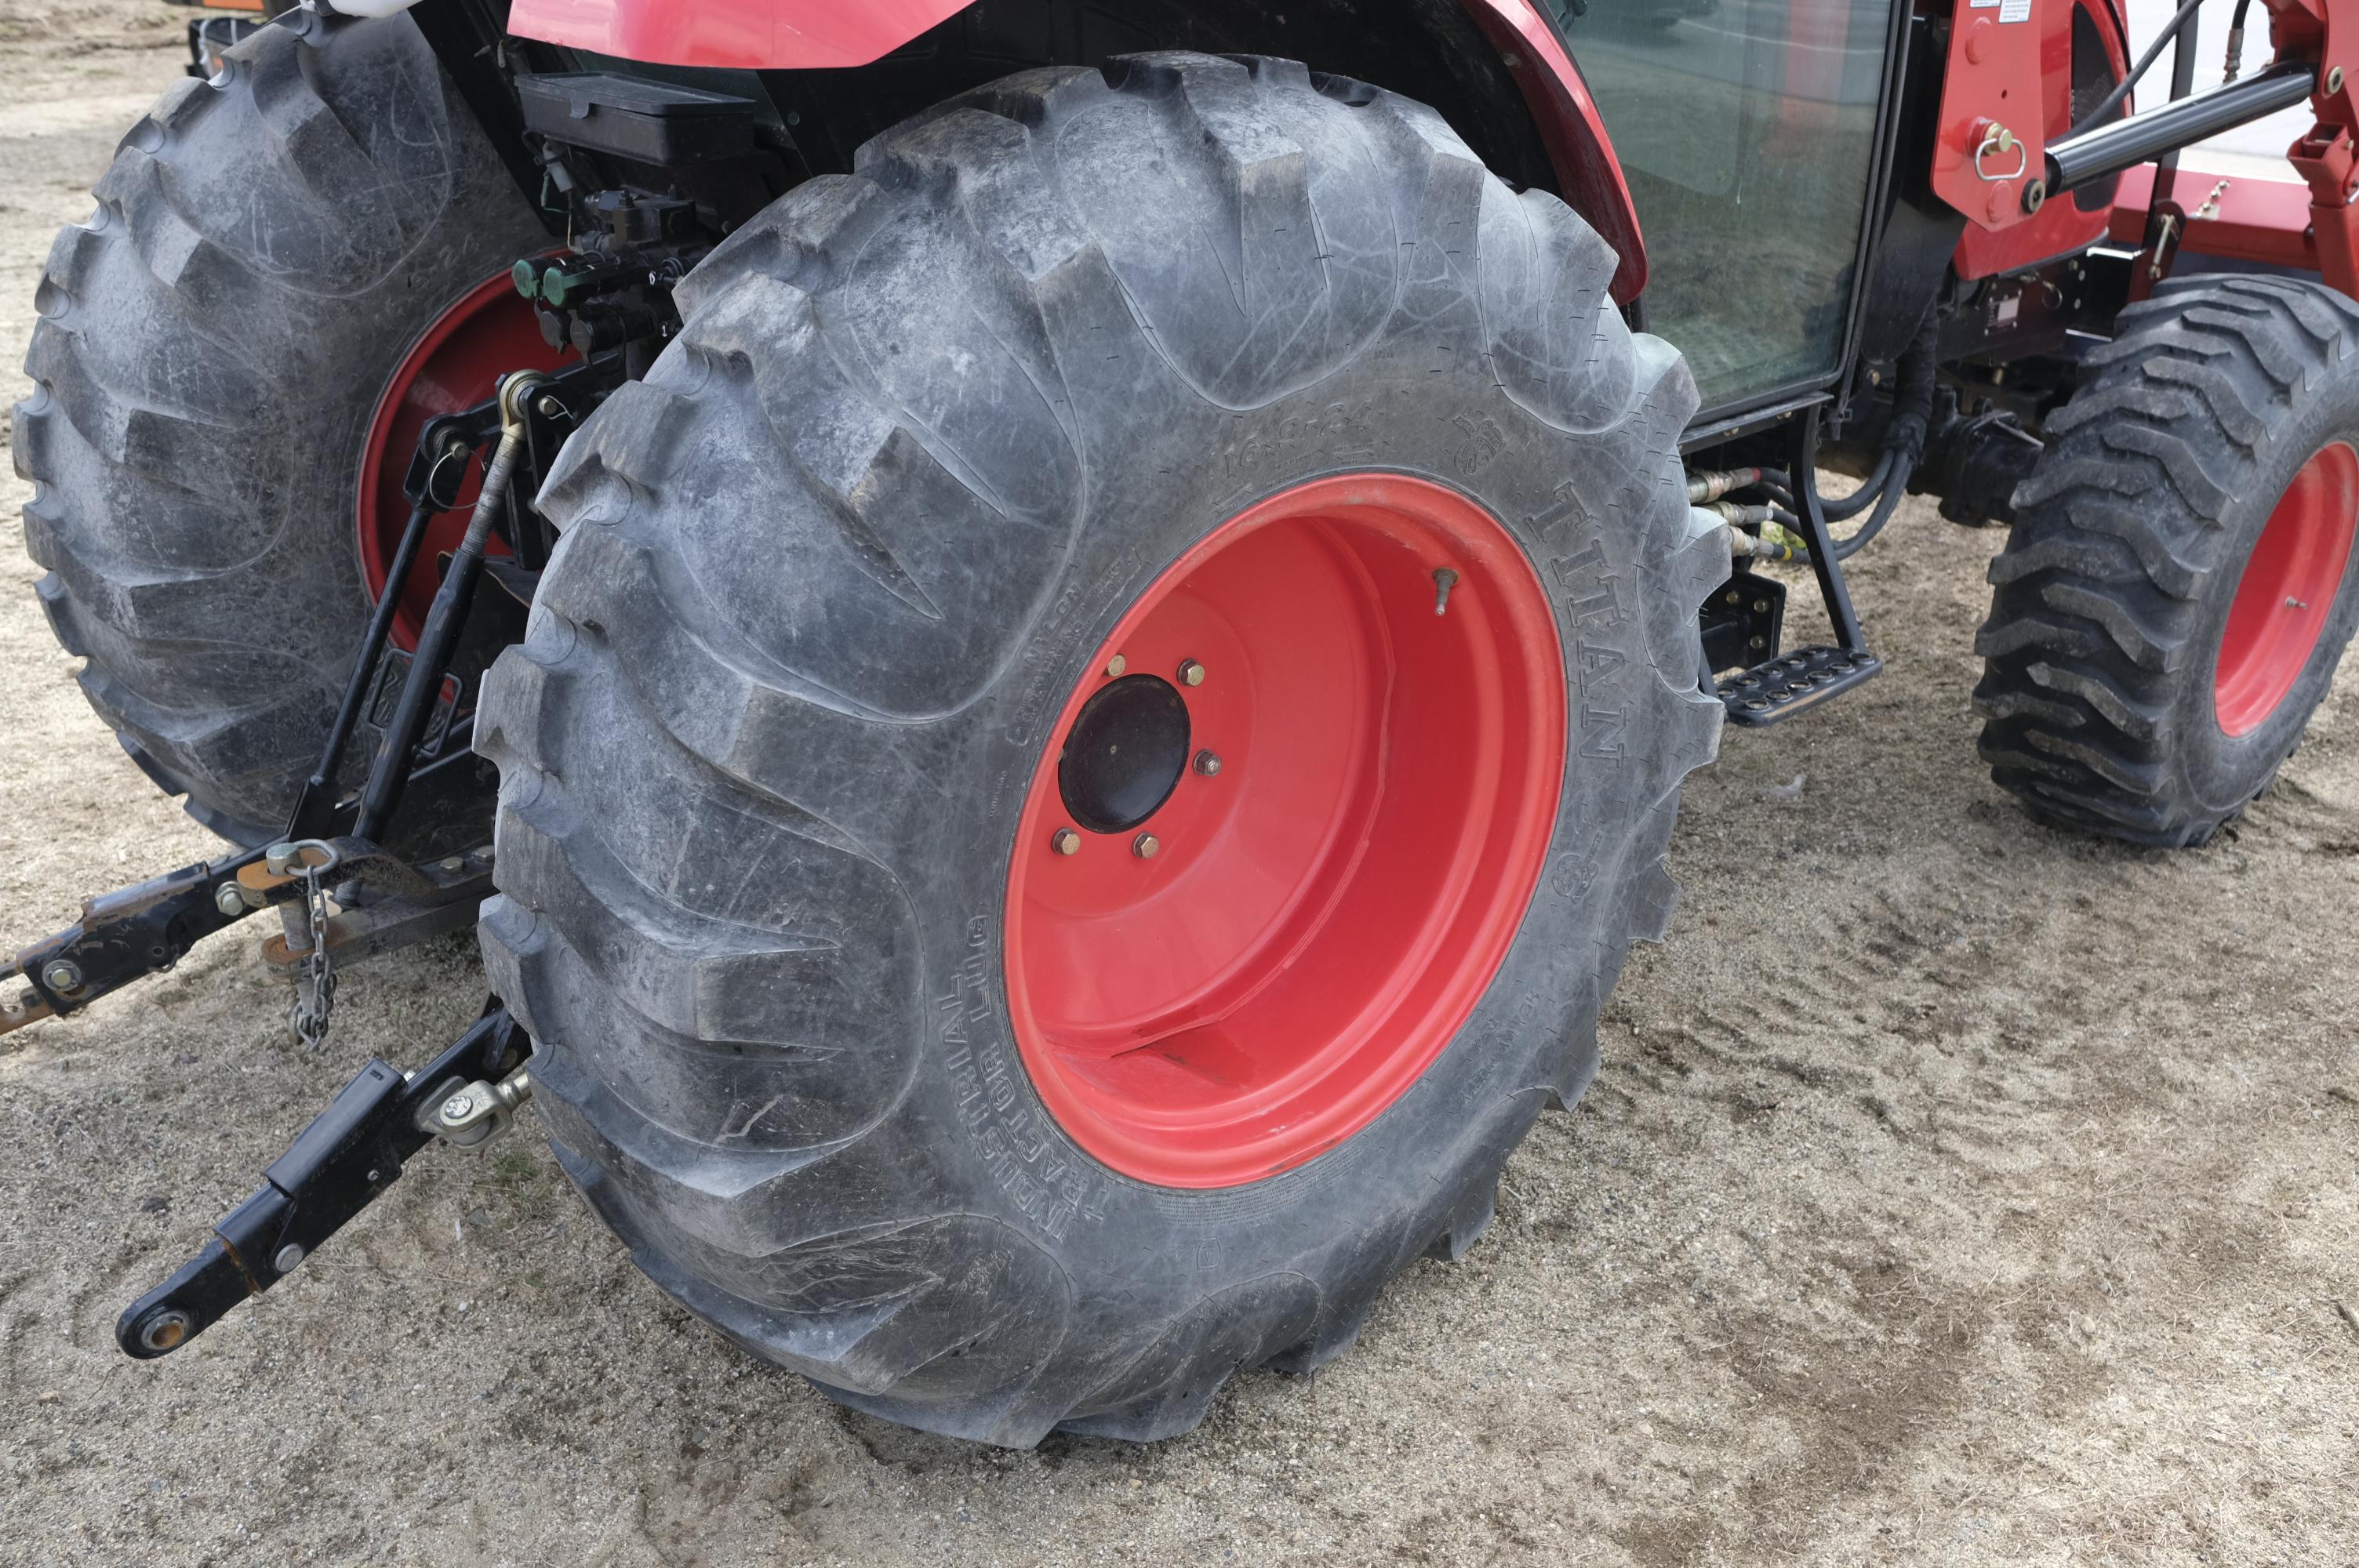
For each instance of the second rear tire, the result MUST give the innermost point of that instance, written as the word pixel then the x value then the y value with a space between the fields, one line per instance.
pixel 213 345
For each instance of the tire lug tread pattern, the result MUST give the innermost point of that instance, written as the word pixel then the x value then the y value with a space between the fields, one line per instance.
pixel 202 372
pixel 2110 595
pixel 704 619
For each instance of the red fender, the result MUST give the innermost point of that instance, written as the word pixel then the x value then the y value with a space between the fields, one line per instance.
pixel 802 35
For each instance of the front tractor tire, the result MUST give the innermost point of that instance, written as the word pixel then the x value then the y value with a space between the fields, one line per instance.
pixel 2181 581
pixel 215 368
pixel 1099 730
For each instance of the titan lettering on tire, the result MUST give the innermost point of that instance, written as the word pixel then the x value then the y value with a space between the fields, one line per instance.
pixel 1098 423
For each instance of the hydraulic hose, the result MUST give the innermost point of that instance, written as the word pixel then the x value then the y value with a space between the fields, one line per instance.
pixel 2112 100
pixel 1865 496
pixel 2236 42
pixel 1904 438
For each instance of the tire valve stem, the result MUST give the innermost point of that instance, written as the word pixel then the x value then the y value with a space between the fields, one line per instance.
pixel 2293 603
pixel 1444 579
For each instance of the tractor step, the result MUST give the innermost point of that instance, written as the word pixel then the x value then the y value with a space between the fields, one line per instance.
pixel 1792 682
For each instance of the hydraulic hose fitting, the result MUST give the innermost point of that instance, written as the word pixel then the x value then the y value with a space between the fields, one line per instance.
pixel 1712 484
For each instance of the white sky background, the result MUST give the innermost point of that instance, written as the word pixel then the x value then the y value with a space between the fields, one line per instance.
pixel 2258 149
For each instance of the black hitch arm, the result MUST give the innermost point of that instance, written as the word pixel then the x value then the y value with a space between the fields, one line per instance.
pixel 336 1167
pixel 145 929
pixel 124 935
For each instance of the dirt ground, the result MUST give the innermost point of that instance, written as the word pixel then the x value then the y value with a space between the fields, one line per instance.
pixel 1955 1192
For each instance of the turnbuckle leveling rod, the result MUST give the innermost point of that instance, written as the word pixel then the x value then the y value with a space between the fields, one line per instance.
pixel 390 775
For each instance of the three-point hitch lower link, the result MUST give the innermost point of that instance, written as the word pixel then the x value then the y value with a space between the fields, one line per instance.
pixel 137 931
pixel 337 1166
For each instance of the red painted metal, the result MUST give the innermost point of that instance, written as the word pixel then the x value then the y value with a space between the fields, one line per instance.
pixel 744 35
pixel 1574 132
pixel 455 366
pixel 2236 217
pixel 2326 32
pixel 2059 227
pixel 1324 912
pixel 1992 88
pixel 799 34
pixel 2288 591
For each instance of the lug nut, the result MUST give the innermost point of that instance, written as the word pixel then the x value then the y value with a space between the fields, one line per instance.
pixel 1116 666
pixel 61 975
pixel 1207 763
pixel 226 899
pixel 1191 673
pixel 1065 841
pixel 1145 846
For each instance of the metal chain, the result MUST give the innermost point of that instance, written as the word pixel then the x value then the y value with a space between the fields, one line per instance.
pixel 315 989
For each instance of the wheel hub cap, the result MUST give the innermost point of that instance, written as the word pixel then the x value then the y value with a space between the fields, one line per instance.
pixel 1125 754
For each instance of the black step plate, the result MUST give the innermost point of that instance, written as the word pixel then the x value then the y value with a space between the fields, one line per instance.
pixel 1792 682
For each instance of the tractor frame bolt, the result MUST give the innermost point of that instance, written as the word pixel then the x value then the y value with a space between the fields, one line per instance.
pixel 1116 666
pixel 549 408
pixel 227 899
pixel 286 1258
pixel 1208 764
pixel 1065 841
pixel 1191 673
pixel 458 1107
pixel 2335 79
pixel 61 975
pixel 1145 846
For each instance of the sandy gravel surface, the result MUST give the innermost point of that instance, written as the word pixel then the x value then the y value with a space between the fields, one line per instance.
pixel 1955 1192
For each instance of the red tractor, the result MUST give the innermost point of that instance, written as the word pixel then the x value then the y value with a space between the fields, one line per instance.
pixel 1053 644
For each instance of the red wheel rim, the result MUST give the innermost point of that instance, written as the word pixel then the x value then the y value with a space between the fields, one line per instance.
pixel 1323 912
pixel 2288 591
pixel 484 333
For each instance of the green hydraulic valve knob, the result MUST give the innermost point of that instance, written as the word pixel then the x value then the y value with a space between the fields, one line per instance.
pixel 558 281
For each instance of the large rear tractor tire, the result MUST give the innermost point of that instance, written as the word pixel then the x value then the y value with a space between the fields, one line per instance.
pixel 2181 581
pixel 1102 725
pixel 278 284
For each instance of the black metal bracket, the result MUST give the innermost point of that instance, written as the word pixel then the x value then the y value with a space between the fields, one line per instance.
pixel 336 1167
pixel 122 936
pixel 1778 688
pixel 1743 622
